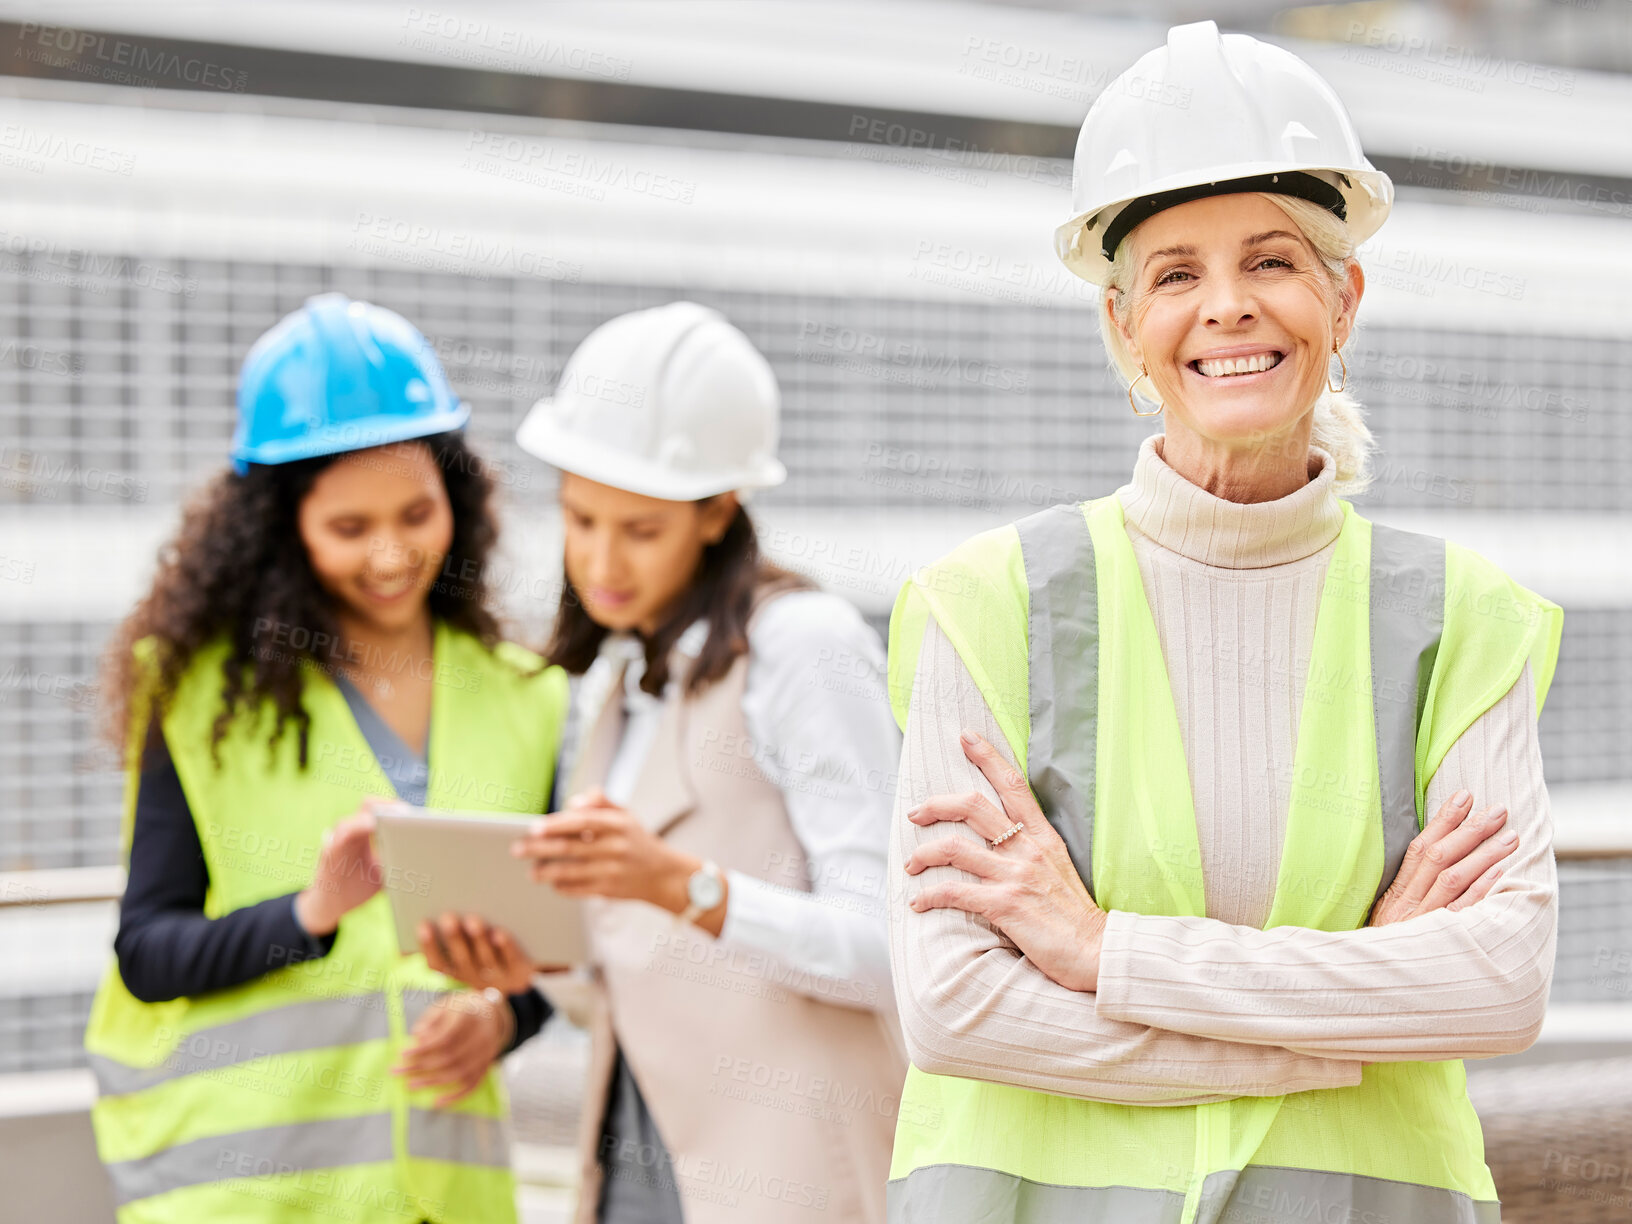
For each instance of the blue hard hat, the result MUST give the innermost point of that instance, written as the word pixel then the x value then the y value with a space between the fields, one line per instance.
pixel 339 375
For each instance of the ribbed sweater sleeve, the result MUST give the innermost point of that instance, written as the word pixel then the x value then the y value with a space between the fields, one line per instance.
pixel 1470 983
pixel 971 1005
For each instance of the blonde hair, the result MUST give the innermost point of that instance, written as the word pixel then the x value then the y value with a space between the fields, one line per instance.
pixel 1339 426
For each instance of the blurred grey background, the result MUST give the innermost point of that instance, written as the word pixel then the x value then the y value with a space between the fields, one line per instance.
pixel 868 190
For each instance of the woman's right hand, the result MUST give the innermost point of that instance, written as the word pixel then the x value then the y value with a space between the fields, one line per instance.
pixel 1453 862
pixel 348 873
pixel 478 955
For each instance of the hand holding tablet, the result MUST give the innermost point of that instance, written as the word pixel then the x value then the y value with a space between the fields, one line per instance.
pixel 466 947
pixel 438 863
pixel 596 848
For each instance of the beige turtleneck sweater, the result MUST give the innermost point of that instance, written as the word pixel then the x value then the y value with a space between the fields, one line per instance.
pixel 1191 1010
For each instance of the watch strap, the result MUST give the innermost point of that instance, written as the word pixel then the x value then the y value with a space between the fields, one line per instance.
pixel 693 910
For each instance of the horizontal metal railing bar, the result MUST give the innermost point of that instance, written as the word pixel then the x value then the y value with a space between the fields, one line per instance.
pixel 61 886
pixel 82 885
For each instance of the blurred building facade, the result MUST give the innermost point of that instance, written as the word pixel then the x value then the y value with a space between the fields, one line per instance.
pixel 872 205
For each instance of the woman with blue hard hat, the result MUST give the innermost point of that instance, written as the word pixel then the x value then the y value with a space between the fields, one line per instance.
pixel 262 1051
pixel 728 805
pixel 1197 919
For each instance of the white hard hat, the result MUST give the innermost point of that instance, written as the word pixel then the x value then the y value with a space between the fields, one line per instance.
pixel 671 402
pixel 1208 115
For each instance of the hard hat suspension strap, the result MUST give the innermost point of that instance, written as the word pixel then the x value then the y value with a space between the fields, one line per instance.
pixel 1292 183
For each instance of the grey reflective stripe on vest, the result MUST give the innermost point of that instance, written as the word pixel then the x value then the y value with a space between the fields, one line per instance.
pixel 1407 620
pixel 1407 609
pixel 279 1030
pixel 263 1153
pixel 1274 1194
pixel 1063 644
pixel 954 1194
pixel 469 1139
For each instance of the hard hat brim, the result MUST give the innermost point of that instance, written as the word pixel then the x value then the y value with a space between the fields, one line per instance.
pixel 542 438
pixel 1368 197
pixel 351 436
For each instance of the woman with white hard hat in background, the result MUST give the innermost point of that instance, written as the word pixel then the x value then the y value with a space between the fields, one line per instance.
pixel 1171 941
pixel 730 796
pixel 262 1050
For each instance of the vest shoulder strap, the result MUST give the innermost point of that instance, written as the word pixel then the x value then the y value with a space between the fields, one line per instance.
pixel 1407 596
pixel 521 673
pixel 1493 628
pixel 1019 604
pixel 187 716
pixel 977 594
pixel 1062 635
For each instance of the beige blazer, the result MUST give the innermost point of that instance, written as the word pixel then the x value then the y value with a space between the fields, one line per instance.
pixel 777 1106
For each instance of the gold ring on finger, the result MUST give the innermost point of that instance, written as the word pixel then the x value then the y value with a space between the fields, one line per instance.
pixel 1007 833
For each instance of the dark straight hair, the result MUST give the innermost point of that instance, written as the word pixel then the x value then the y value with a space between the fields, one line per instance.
pixel 729 577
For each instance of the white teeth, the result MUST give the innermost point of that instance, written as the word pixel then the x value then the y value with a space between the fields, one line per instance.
pixel 1222 367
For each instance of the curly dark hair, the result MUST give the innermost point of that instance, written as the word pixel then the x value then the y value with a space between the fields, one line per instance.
pixel 238 565
pixel 730 576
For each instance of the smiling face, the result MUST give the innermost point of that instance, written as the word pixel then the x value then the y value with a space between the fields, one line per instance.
pixel 629 556
pixel 1233 316
pixel 377 524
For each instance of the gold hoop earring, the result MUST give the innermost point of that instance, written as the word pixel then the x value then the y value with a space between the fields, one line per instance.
pixel 1143 374
pixel 1342 365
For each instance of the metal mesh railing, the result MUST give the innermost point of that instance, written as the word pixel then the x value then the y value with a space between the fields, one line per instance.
pixel 129 374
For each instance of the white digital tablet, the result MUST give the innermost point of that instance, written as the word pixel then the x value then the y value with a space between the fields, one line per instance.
pixel 437 861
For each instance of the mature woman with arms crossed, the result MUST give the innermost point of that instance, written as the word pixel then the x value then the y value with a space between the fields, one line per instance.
pixel 1233 699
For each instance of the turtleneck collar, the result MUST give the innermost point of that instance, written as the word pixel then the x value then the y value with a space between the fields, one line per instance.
pixel 1186 519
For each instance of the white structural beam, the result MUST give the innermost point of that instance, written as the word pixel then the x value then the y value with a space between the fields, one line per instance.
pixel 89 563
pixel 489 197
pixel 1411 92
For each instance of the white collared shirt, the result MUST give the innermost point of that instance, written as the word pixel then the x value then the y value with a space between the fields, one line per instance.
pixel 816 707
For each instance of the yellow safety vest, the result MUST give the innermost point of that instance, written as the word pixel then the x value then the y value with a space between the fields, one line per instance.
pixel 1414 639
pixel 274 1100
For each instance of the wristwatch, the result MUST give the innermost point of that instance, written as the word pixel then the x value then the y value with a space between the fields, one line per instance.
pixel 704 890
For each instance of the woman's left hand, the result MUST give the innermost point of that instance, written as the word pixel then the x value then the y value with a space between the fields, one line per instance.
pixel 1028 887
pixel 593 848
pixel 455 1042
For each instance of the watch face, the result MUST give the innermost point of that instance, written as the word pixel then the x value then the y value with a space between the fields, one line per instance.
pixel 704 890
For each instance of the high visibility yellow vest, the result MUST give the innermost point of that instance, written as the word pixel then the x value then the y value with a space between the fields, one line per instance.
pixel 274 1100
pixel 1415 638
